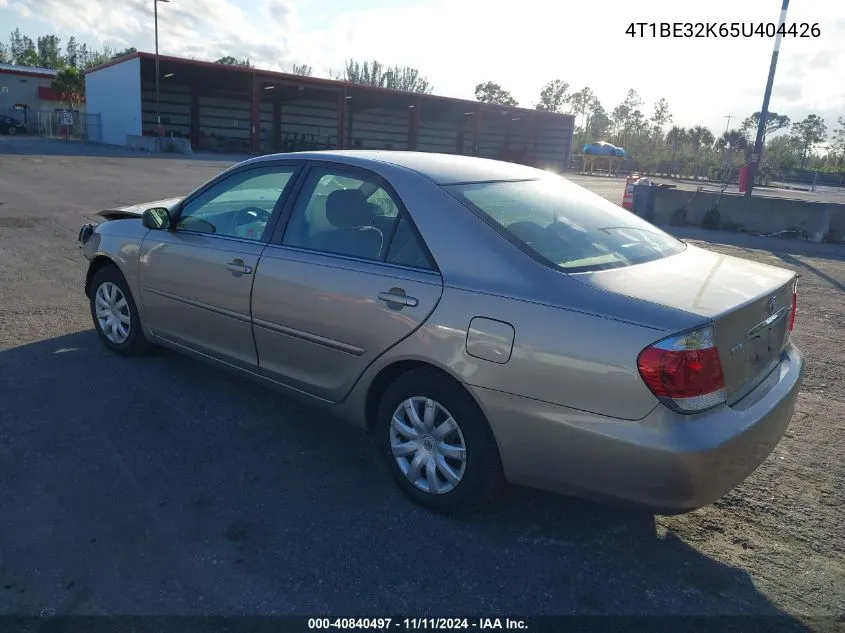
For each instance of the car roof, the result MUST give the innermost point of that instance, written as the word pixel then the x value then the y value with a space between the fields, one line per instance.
pixel 444 169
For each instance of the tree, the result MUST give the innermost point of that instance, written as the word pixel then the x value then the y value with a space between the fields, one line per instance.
pixel 782 154
pixel 838 141
pixel 368 74
pixel 582 102
pixel 376 73
pixel 699 136
pixel 661 117
pixel 490 92
pixel 49 51
pixel 599 122
pixel 626 116
pixel 22 49
pixel 70 86
pixel 809 132
pixel 71 57
pixel 774 122
pixel 676 137
pixel 730 142
pixel 125 52
pixel 302 69
pixel 84 57
pixel 554 96
pixel 407 79
pixel 4 54
pixel 228 60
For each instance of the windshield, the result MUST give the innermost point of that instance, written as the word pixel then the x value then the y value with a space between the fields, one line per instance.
pixel 565 224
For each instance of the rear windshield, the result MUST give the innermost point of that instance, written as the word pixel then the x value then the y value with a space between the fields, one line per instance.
pixel 566 225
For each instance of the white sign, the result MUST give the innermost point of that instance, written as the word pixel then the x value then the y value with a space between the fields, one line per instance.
pixel 67 117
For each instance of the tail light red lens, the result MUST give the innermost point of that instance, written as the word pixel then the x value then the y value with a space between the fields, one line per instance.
pixel 684 371
pixel 794 306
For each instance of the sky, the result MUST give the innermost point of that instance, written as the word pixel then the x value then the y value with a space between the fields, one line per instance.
pixel 520 44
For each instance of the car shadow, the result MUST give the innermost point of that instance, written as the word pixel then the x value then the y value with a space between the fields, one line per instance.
pixel 800 264
pixel 161 485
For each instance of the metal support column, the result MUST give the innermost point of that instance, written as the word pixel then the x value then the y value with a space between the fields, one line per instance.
pixel 764 111
pixel 341 118
pixel 255 116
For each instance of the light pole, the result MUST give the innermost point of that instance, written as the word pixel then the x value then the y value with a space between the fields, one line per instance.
pixel 764 111
pixel 158 113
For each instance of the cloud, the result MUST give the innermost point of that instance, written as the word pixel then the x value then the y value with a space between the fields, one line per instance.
pixel 789 91
pixel 206 29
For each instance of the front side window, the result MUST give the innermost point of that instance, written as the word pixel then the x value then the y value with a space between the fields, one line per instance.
pixel 343 214
pixel 239 206
pixel 566 225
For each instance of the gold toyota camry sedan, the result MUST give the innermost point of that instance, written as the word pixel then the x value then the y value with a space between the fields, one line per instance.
pixel 487 322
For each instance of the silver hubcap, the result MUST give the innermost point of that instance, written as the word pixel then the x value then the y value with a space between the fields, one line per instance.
pixel 428 445
pixel 112 312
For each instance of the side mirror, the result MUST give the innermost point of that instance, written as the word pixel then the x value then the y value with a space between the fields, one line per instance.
pixel 157 218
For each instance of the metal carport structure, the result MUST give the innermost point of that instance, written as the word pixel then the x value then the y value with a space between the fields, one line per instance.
pixel 235 108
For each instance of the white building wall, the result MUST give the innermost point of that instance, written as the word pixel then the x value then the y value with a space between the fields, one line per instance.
pixel 115 93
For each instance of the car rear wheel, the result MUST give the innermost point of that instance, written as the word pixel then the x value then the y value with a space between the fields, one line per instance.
pixel 437 443
pixel 115 314
pixel 12 130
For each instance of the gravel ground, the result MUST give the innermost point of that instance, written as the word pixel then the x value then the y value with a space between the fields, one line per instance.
pixel 163 486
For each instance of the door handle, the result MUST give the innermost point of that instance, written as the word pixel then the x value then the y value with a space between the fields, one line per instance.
pixel 238 266
pixel 396 295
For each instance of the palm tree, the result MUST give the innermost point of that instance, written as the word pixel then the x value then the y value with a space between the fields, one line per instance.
pixel 699 136
pixel 728 142
pixel 675 137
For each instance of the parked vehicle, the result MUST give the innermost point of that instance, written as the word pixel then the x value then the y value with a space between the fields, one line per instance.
pixel 604 149
pixel 487 321
pixel 11 125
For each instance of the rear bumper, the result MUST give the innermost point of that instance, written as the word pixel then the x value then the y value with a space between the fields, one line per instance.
pixel 666 461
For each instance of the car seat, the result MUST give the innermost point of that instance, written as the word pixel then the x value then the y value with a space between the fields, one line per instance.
pixel 351 217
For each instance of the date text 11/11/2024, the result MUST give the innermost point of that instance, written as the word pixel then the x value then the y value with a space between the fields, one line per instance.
pixel 722 29
pixel 418 624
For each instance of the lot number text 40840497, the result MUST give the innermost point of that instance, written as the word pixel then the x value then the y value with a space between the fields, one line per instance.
pixel 722 29
pixel 418 624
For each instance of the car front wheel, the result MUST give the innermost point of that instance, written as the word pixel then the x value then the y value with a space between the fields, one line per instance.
pixel 115 314
pixel 437 443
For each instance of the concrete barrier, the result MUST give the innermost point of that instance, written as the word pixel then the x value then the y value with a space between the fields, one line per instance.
pixel 756 214
pixel 836 232
pixel 151 144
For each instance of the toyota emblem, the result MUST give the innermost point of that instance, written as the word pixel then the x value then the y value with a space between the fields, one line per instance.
pixel 772 304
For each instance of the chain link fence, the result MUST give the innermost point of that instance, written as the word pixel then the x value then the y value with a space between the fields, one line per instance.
pixel 58 124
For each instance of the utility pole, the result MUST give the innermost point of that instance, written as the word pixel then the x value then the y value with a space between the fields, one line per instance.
pixel 728 124
pixel 158 109
pixel 764 111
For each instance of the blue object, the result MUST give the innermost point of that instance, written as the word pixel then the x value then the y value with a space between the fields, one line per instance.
pixel 643 200
pixel 603 149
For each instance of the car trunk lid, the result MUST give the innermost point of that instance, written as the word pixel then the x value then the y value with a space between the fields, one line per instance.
pixel 749 304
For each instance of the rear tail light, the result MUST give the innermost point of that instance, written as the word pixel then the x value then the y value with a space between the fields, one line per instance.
pixel 794 306
pixel 684 371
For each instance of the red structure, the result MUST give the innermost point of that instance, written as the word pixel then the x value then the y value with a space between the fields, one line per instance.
pixel 744 178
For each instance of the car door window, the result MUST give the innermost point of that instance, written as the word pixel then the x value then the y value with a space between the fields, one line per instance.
pixel 343 214
pixel 239 206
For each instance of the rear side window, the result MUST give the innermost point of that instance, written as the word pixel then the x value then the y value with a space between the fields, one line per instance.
pixel 406 249
pixel 565 225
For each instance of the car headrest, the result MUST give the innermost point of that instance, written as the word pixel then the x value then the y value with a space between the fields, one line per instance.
pixel 347 209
